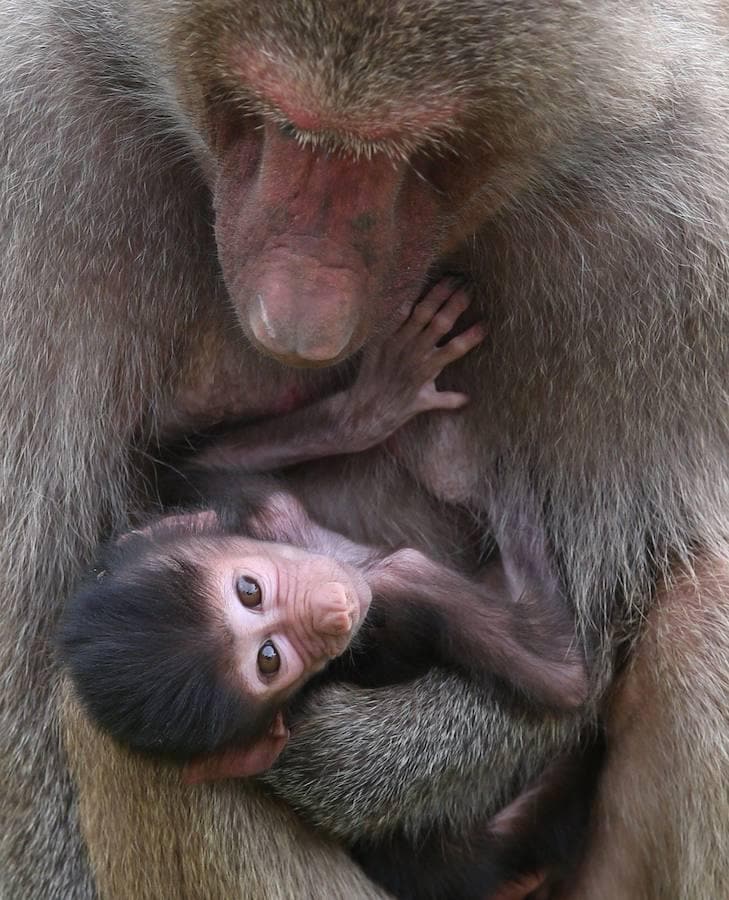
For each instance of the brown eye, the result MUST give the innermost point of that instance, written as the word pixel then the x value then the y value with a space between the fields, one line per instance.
pixel 249 592
pixel 269 662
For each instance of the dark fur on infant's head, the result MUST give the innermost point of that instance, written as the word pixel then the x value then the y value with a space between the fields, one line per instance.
pixel 148 656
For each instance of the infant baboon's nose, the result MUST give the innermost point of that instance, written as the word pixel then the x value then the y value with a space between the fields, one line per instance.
pixel 334 611
pixel 336 623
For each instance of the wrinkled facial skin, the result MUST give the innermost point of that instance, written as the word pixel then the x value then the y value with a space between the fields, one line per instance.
pixel 334 202
pixel 354 148
pixel 316 248
pixel 308 608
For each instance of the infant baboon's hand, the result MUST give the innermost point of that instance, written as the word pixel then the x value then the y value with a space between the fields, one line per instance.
pixel 396 380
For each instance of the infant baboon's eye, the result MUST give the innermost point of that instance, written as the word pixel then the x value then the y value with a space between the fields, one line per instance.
pixel 249 591
pixel 269 662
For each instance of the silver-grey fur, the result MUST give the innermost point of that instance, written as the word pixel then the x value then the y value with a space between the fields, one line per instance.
pixel 602 273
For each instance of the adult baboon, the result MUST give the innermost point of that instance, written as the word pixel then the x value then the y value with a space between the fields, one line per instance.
pixel 571 160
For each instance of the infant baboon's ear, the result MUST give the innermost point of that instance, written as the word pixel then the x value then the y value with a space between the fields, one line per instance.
pixel 195 523
pixel 240 762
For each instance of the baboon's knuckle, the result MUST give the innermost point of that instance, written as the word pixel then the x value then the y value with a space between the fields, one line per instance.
pixel 458 346
pixel 443 321
pixel 423 313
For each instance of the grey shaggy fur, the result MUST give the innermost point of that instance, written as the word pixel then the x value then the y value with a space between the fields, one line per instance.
pixel 600 399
